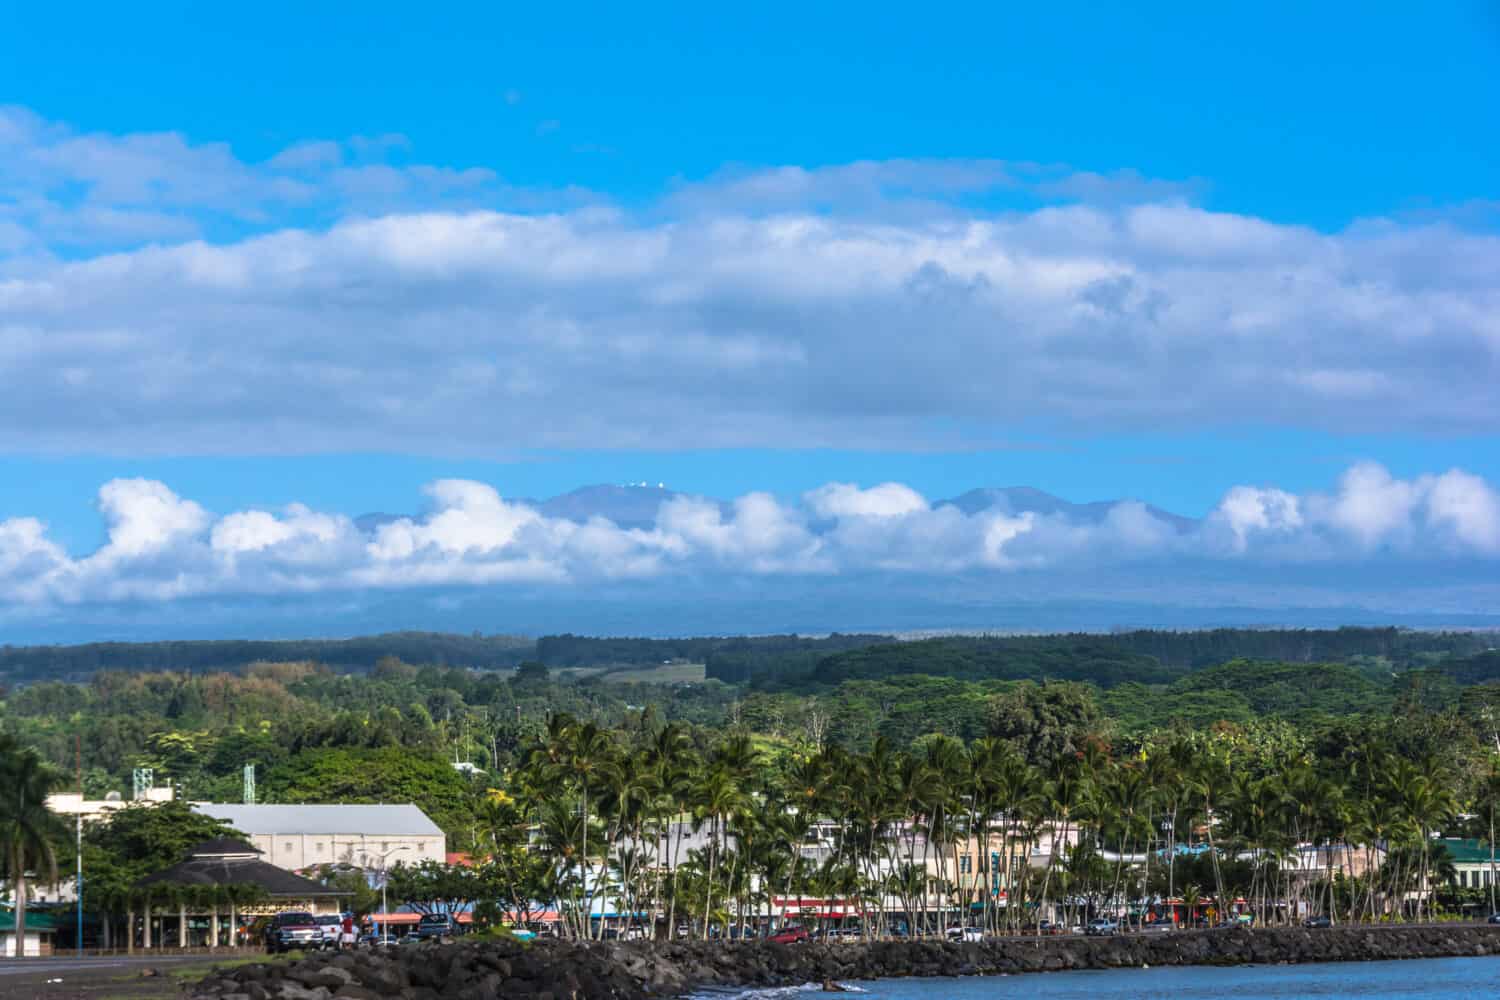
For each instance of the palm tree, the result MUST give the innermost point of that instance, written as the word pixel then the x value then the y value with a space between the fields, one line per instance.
pixel 1488 804
pixel 27 827
pixel 1064 792
pixel 1209 776
pixel 1019 792
pixel 721 797
pixel 1124 796
pixel 1191 896
pixel 579 755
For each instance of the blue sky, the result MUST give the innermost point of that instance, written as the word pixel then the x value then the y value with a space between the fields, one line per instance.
pixel 328 259
pixel 1314 113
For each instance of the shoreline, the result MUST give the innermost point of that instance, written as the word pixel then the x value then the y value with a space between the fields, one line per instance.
pixel 565 970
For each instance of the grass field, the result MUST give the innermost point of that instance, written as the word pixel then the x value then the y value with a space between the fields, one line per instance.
pixel 667 673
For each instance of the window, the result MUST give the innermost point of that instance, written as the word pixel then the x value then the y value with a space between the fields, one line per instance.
pixel 318 847
pixel 287 847
pixel 965 864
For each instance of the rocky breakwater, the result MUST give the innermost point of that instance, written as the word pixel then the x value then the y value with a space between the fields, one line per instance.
pixel 549 970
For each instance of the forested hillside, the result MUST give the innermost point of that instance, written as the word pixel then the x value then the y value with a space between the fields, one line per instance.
pixel 22 663
pixel 1142 657
pixel 730 658
pixel 322 732
pixel 780 660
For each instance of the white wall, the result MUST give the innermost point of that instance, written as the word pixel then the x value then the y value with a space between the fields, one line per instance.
pixel 295 851
pixel 8 943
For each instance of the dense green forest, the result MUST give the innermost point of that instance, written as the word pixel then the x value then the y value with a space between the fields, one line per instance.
pixel 316 731
pixel 21 663
pixel 1143 656
pixel 777 653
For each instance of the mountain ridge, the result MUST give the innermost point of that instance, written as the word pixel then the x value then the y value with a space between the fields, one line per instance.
pixel 635 505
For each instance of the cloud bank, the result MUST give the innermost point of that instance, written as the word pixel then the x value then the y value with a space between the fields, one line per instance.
pixel 163 547
pixel 161 296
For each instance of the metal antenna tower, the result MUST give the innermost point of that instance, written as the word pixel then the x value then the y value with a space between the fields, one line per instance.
pixel 249 784
pixel 144 779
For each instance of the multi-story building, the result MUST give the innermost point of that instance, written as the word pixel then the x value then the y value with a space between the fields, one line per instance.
pixel 299 837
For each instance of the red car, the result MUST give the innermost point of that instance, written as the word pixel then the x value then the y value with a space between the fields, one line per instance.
pixel 789 935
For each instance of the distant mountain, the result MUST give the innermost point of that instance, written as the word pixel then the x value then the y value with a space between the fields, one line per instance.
pixel 635 506
pixel 632 506
pixel 1026 499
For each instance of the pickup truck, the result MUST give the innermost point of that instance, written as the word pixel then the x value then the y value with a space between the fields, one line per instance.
pixel 333 926
pixel 293 929
pixel 437 925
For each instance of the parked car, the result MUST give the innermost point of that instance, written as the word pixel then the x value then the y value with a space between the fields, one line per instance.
pixel 794 934
pixel 964 934
pixel 1102 927
pixel 332 925
pixel 1494 918
pixel 1050 927
pixel 293 929
pixel 1318 923
pixel 437 925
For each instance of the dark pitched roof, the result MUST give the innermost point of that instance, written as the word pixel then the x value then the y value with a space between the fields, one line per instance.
pixel 222 846
pixel 221 870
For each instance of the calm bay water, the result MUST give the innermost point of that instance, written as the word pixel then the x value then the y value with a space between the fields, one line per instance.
pixel 1430 979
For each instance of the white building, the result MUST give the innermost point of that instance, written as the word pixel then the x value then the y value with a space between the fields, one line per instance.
pixel 297 837
pixel 73 804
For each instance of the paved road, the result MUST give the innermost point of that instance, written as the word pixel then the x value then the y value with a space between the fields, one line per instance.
pixel 62 963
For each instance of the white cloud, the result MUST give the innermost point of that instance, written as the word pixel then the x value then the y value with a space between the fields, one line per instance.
pixel 162 547
pixel 350 300
pixel 1372 507
pixel 67 190
pixel 1248 511
pixel 145 517
pixel 1467 507
pixel 848 500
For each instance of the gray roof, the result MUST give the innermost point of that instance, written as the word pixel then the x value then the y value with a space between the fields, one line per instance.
pixel 372 820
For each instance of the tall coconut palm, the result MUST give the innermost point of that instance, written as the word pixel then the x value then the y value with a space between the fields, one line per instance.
pixel 1124 794
pixel 721 796
pixel 1488 804
pixel 28 830
pixel 1207 779
pixel 1064 792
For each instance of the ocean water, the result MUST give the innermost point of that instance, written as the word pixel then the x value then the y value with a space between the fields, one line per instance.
pixel 1426 979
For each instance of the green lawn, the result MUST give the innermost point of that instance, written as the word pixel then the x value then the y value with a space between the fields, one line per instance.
pixel 667 673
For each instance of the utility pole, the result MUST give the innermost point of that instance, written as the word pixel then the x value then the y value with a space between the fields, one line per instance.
pixel 385 910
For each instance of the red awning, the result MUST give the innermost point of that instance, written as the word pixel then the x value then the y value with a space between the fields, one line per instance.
pixel 399 919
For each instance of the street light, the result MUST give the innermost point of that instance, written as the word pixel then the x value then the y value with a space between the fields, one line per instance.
pixel 385 912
